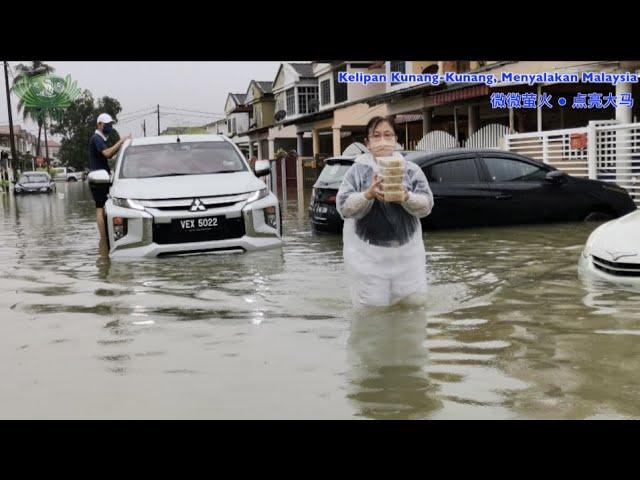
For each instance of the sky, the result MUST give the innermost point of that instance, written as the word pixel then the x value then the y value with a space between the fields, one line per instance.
pixel 140 86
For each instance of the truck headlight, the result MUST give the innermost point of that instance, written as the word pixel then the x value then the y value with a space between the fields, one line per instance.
pixel 127 203
pixel 257 195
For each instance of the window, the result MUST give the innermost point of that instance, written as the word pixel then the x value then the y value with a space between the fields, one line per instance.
pixel 280 102
pixel 506 170
pixel 454 171
pixel 305 97
pixel 334 172
pixel 291 102
pixel 185 158
pixel 397 66
pixel 339 89
pixel 325 92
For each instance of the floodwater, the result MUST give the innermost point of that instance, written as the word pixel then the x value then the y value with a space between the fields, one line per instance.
pixel 509 329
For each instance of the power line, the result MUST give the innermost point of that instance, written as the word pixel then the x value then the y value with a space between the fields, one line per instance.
pixel 136 111
pixel 194 111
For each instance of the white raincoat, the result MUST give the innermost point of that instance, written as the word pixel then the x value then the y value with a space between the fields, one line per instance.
pixel 384 252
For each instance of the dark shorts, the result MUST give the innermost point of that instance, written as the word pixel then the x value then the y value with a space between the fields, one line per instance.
pixel 99 192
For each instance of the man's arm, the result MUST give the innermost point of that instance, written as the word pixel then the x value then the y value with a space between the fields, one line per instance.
pixel 111 151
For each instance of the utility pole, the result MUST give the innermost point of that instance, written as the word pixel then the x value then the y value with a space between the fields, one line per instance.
pixel 14 155
pixel 158 119
pixel 46 142
pixel 144 126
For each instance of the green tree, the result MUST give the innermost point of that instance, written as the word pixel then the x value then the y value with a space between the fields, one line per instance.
pixel 78 122
pixel 35 114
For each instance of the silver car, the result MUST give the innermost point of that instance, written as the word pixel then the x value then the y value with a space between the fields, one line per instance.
pixel 34 182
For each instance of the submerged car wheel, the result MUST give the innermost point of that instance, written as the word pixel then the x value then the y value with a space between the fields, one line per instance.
pixel 72 179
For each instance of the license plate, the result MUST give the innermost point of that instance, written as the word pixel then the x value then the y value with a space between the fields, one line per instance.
pixel 322 210
pixel 200 224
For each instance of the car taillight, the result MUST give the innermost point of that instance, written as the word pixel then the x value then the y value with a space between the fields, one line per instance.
pixel 332 199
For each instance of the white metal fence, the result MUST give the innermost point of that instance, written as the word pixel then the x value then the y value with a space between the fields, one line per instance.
pixel 604 150
pixel 437 140
pixel 489 136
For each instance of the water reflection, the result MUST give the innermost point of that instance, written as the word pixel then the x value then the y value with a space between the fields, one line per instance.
pixel 387 359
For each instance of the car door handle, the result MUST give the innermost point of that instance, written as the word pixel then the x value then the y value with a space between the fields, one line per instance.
pixel 502 196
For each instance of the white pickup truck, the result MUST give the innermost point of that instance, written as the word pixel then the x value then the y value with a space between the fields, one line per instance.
pixel 67 174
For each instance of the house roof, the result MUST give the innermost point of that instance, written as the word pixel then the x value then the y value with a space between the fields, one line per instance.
pixel 265 86
pixel 238 98
pixel 303 69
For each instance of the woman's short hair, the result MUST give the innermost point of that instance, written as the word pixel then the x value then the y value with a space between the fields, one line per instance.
pixel 375 121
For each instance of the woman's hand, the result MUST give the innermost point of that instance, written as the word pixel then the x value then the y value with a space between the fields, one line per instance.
pixel 374 190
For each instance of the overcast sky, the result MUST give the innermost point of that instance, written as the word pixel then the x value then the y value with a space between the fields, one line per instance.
pixel 201 86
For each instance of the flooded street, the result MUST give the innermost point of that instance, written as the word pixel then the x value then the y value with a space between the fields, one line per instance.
pixel 509 330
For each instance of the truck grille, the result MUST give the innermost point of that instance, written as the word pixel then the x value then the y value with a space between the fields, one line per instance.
pixel 616 268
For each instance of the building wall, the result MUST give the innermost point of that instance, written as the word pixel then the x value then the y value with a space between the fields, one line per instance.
pixel 357 91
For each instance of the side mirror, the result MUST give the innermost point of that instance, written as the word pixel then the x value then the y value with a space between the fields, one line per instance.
pixel 262 168
pixel 99 177
pixel 555 176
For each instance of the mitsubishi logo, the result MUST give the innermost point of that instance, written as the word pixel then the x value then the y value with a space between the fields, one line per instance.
pixel 197 206
pixel 617 255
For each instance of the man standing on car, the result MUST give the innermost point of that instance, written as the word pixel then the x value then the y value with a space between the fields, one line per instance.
pixel 99 153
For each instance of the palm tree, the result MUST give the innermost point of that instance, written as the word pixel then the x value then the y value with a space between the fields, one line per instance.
pixel 36 114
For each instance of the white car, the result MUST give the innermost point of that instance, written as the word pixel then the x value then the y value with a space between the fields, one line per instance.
pixel 612 251
pixel 186 195
pixel 67 174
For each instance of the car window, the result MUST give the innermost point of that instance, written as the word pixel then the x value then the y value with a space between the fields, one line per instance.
pixel 185 158
pixel 462 170
pixel 508 170
pixel 33 179
pixel 334 173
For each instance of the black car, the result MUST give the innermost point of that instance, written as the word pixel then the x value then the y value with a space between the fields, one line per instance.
pixel 474 188
pixel 322 208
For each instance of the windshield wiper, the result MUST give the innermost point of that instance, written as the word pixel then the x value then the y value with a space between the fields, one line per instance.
pixel 168 175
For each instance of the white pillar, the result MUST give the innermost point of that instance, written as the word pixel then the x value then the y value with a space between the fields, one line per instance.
pixel 272 148
pixel 300 143
pixel 623 138
pixel 336 141
pixel 623 114
pixel 316 141
pixel 539 109
pixel 250 149
pixel 455 122
pixel 427 114
pixel 259 147
pixel 472 119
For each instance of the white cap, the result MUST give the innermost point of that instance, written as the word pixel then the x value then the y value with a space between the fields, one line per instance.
pixel 104 118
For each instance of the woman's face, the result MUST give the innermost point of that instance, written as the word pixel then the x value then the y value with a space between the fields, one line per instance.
pixel 382 140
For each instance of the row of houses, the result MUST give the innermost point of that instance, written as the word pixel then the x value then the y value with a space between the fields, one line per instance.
pixel 26 142
pixel 306 108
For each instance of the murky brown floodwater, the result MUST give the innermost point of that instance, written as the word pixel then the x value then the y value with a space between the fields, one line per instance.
pixel 510 331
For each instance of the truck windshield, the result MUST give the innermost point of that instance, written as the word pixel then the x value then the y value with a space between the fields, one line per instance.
pixel 185 158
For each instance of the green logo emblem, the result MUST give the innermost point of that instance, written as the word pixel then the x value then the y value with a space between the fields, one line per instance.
pixel 47 92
